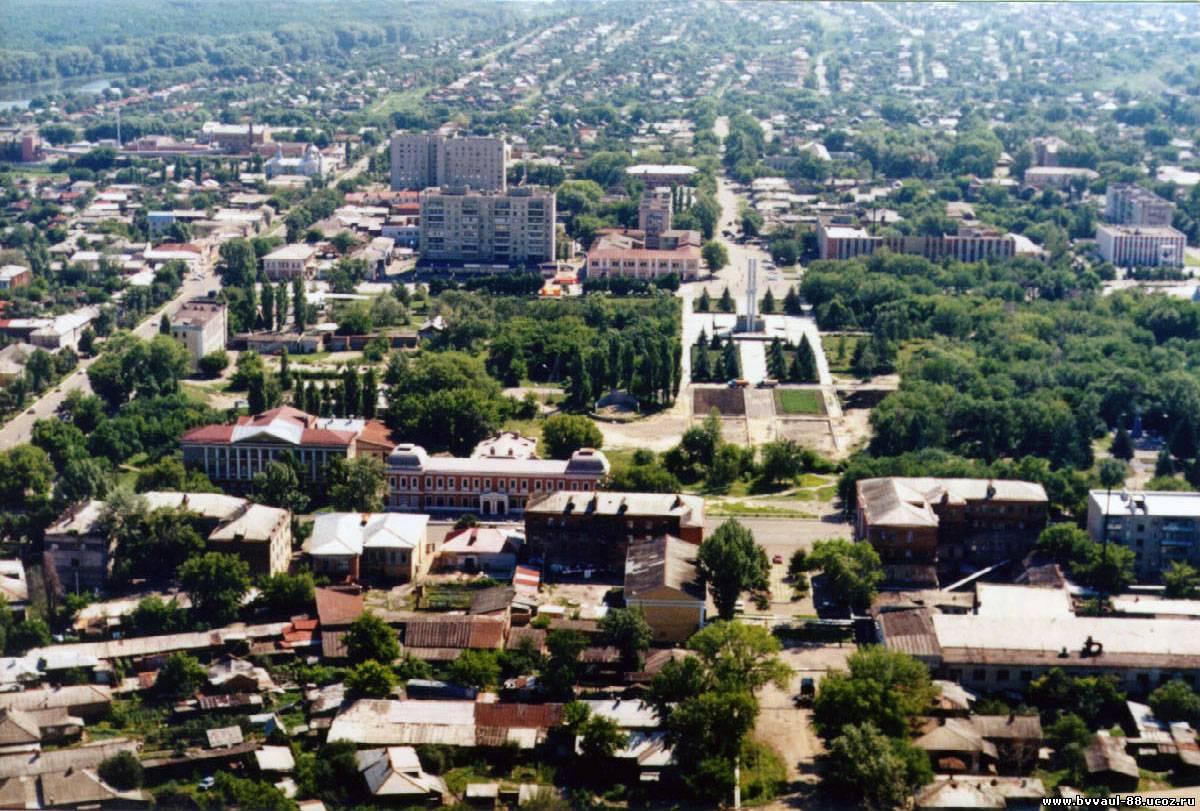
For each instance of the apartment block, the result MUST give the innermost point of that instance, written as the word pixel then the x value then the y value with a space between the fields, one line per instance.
pixel 1128 204
pixel 1160 527
pixel 654 214
pixel 420 161
pixel 1141 246
pixel 844 240
pixel 462 226
pixel 201 324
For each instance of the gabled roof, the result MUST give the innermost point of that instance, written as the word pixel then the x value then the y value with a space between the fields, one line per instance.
pixel 956 735
pixel 338 534
pixel 908 501
pixel 396 772
pixel 18 727
pixel 335 608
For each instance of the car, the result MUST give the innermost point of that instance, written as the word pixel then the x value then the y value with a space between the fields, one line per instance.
pixel 739 607
pixel 768 383
pixel 808 691
pixel 206 784
pixel 778 559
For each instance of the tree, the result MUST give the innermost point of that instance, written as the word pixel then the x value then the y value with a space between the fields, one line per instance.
pixel 154 615
pixel 476 668
pixel 804 363
pixel 356 485
pixel 1064 543
pixel 370 679
pixel 1176 701
pixel 216 582
pixel 1182 581
pixel 886 688
pixel 731 562
pixel 627 630
pixel 1122 446
pixel 725 304
pixel 852 570
pixel 1107 568
pixel 288 594
pixel 600 738
pixel 122 771
pixel 370 393
pixel 299 305
pixel 280 485
pixel 26 634
pixel 782 461
pixel 1069 736
pixel 285 371
pixel 369 637
pixel 80 480
pixel 26 474
pixel 214 363
pixel 180 677
pixel 715 255
pixel 563 434
pixel 164 325
pixel 879 771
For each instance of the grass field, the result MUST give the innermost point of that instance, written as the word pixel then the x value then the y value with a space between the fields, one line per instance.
pixel 799 401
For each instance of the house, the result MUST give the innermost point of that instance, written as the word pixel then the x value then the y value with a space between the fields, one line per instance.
pixel 275 760
pixel 957 746
pixel 78 548
pixel 12 361
pixel 335 611
pixel 506 445
pixel 376 722
pixel 259 535
pixel 90 702
pixel 967 793
pixel 1017 739
pixel 492 550
pixel 572 532
pixel 12 276
pixel 948 523
pixel 353 545
pixel 19 732
pixel 1159 527
pixel 290 262
pixel 14 588
pixel 444 638
pixel 1109 764
pixel 661 580
pixel 88 756
pixel 395 774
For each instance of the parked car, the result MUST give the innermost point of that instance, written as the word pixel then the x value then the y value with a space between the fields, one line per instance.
pixel 778 559
pixel 808 691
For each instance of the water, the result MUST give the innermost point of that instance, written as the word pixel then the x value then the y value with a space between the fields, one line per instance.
pixel 94 86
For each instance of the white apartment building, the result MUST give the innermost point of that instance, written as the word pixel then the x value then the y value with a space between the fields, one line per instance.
pixel 1128 204
pixel 1160 527
pixel 1141 246
pixel 504 228
pixel 290 262
pixel 420 161
pixel 201 324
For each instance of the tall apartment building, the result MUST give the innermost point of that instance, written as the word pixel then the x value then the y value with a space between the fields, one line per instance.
pixel 463 226
pixel 421 160
pixel 1160 527
pixel 654 214
pixel 201 324
pixel 1128 204
pixel 1141 246
pixel 971 243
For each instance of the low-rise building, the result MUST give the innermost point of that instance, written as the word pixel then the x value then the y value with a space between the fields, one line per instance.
pixel 662 174
pixel 1141 245
pixel 1160 528
pixel 201 324
pixel 492 550
pixel 310 164
pixel 362 545
pixel 661 581
pixel 613 258
pixel 571 532
pixel 489 485
pixel 64 330
pixel 290 262
pixel 234 454
pixel 971 243
pixel 12 276
pixel 236 138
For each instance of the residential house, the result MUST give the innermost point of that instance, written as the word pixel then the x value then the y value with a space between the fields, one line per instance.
pixel 444 638
pixel 12 276
pixel 962 792
pixel 1109 764
pixel 375 723
pixel 395 774
pixel 336 609
pixel 661 580
pixel 362 545
pixel 14 588
pixel 492 550
pixel 90 702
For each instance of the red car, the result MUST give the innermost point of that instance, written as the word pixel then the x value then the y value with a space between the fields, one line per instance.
pixel 777 559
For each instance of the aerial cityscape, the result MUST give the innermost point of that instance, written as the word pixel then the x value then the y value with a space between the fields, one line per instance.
pixel 592 404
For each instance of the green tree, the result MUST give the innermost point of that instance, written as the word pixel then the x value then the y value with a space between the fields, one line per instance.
pixel 280 485
pixel 356 485
pixel 600 738
pixel 715 255
pixel 30 632
pixel 288 594
pixel 370 679
pixel 122 771
pixel 882 687
pixel 804 363
pixel 731 562
pixel 879 772
pixel 26 475
pixel 563 434
pixel 476 668
pixel 299 305
pixel 180 677
pixel 370 393
pixel 782 461
pixel 627 630
pixel 285 370
pixel 154 615
pixel 369 637
pixel 1065 543
pixel 216 583
pixel 1069 736
pixel 1176 701
pixel 1182 581
pixel 725 304
pixel 851 570
pixel 214 363
pixel 1122 446
pixel 164 325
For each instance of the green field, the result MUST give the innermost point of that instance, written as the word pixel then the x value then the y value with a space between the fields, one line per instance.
pixel 799 401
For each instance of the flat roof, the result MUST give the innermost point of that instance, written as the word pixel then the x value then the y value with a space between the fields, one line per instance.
pixel 1118 635
pixel 1003 600
pixel 1142 231
pixel 1148 503
pixel 661 169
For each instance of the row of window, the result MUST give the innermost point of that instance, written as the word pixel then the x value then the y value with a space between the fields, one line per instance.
pixel 413 483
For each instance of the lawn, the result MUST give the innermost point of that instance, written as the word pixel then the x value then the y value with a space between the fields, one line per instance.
pixel 1191 260
pixel 741 508
pixel 799 401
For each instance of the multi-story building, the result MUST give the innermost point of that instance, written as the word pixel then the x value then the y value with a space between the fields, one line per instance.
pixel 662 174
pixel 14 276
pixel 925 527
pixel 462 226
pixel 290 262
pixel 310 164
pixel 570 531
pixel 1130 204
pixel 237 138
pixel 1057 177
pixel 840 240
pixel 234 454
pixel 201 324
pixel 608 259
pixel 421 160
pixel 83 552
pixel 356 545
pixel 661 580
pixel 1141 246
pixel 489 485
pixel 1160 527
pixel 654 214
pixel 1045 150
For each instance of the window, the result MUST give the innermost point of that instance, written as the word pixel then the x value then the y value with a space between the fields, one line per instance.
pixel 978 675
pixel 440 482
pixel 1001 675
pixel 1026 675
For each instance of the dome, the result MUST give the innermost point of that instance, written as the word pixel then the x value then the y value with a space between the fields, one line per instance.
pixel 408 456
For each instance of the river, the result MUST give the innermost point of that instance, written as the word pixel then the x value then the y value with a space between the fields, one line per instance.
pixel 29 92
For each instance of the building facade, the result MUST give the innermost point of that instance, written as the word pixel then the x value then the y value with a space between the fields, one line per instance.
pixel 661 581
pixel 236 138
pixel 488 485
pixel 201 324
pixel 290 262
pixel 310 164
pixel 463 226
pixel 1160 528
pixel 971 244
pixel 357 545
pixel 234 454
pixel 1129 204
pixel 421 160
pixel 654 213
pixel 1141 246
pixel 573 532
pixel 662 174
pixel 14 276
